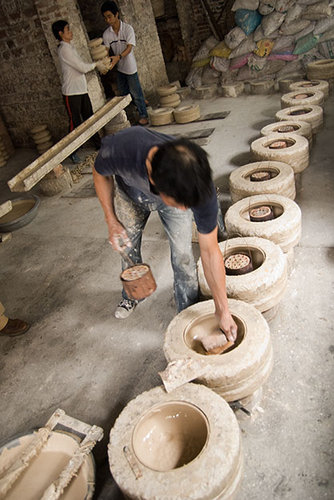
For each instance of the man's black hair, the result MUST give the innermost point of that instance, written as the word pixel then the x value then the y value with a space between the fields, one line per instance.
pixel 59 26
pixel 181 169
pixel 111 6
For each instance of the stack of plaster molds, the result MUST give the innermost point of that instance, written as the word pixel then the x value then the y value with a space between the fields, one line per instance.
pixel 116 124
pixel 42 138
pixel 168 96
pixel 100 54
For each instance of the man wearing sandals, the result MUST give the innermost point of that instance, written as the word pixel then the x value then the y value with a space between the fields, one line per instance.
pixel 138 171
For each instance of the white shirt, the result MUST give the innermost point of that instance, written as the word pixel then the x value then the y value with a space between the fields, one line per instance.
pixel 118 43
pixel 73 69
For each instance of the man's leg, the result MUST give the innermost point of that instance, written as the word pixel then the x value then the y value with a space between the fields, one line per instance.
pixel 86 112
pixel 178 226
pixel 133 217
pixel 73 108
pixel 137 94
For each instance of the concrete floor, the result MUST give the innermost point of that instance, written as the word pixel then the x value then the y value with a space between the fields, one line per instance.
pixel 60 274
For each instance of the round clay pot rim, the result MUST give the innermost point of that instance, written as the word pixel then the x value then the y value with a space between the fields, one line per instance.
pixel 293 127
pixel 234 255
pixel 169 403
pixel 270 170
pixel 303 95
pixel 262 208
pixel 236 318
pixel 301 111
pixel 281 144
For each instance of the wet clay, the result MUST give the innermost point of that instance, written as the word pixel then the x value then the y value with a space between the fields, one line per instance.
pixel 45 468
pixel 170 435
pixel 20 207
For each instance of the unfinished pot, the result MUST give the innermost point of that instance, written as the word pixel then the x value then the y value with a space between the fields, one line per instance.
pixel 45 468
pixel 302 98
pixel 239 371
pixel 284 229
pixel 163 443
pixel 273 177
pixel 138 281
pixel 238 263
pixel 289 148
pixel 263 287
pixel 310 114
pixel 321 85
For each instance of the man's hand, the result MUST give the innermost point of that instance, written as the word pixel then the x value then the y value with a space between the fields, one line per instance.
pixel 118 237
pixel 228 325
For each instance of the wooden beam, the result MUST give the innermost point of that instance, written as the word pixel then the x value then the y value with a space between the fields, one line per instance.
pixel 33 173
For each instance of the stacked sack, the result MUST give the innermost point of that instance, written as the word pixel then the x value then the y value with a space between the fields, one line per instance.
pixel 42 138
pixel 272 39
pixel 100 54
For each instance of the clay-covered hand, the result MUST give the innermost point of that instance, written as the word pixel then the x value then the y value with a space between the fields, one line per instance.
pixel 114 60
pixel 228 325
pixel 104 65
pixel 118 238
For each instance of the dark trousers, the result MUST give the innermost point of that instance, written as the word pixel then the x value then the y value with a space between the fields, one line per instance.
pixel 79 108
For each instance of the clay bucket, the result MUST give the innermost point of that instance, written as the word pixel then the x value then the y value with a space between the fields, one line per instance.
pixel 138 281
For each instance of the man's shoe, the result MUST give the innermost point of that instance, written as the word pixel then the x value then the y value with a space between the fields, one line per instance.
pixel 15 327
pixel 125 308
pixel 75 158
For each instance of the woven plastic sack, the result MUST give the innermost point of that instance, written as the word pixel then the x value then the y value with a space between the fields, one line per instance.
pixel 326 49
pixel 259 35
pixel 317 11
pixel 306 43
pixel 282 57
pixel 200 63
pixel 194 78
pixel 308 2
pixel 247 20
pixel 239 62
pixel 293 13
pixel 264 47
pixel 295 27
pixel 245 4
pixel 234 38
pixel 272 22
pixel 324 25
pixel 308 57
pixel 328 35
pixel 210 76
pixel 291 68
pixel 220 64
pixel 282 43
pixel 282 5
pixel 204 50
pixel 220 50
pixel 247 46
pixel 305 31
pixel 266 7
pixel 256 63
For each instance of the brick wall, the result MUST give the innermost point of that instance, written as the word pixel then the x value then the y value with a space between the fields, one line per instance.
pixel 29 83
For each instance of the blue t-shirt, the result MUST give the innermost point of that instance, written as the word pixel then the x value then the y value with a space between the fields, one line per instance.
pixel 124 154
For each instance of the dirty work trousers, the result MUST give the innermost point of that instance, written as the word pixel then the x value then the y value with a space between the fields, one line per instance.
pixel 3 318
pixel 133 214
pixel 79 108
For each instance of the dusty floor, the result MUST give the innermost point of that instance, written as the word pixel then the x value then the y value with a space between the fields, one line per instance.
pixel 60 274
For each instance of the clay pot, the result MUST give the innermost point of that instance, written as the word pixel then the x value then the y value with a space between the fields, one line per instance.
pixel 138 281
pixel 261 214
pixel 237 264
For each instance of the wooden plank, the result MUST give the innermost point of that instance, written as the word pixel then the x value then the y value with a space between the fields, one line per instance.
pixel 220 115
pixel 33 173
pixel 196 134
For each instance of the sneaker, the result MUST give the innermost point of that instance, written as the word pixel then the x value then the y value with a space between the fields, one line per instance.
pixel 125 308
pixel 15 327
